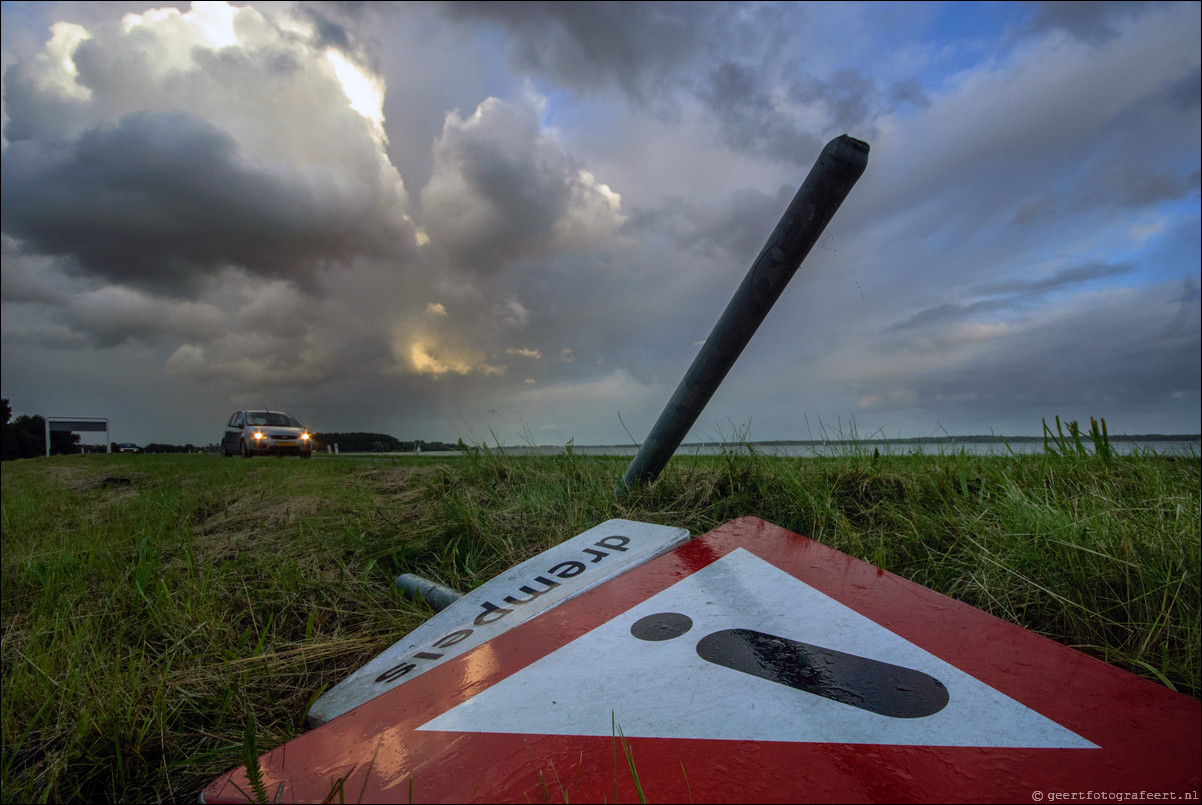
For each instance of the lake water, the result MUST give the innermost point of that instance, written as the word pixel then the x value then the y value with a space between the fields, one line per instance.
pixel 1169 447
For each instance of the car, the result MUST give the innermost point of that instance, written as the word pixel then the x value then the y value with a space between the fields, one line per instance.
pixel 128 447
pixel 265 433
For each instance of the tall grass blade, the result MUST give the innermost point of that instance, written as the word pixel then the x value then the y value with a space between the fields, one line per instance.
pixel 634 773
pixel 250 757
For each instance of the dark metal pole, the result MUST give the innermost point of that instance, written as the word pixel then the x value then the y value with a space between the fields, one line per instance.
pixel 839 165
pixel 438 596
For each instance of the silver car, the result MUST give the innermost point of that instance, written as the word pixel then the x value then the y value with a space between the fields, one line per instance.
pixel 265 433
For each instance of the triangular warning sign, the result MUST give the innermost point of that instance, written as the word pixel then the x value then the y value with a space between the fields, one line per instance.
pixel 741 650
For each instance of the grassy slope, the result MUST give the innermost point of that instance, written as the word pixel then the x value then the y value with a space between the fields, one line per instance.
pixel 154 605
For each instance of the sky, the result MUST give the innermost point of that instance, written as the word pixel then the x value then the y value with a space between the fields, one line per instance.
pixel 516 223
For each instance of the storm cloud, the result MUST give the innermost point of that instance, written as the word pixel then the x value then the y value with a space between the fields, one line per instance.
pixel 156 154
pixel 521 219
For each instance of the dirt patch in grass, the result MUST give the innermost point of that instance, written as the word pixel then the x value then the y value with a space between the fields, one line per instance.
pixel 110 488
pixel 403 483
pixel 73 477
pixel 273 519
pixel 251 519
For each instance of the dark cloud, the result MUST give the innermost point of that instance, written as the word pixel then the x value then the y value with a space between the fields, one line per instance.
pixel 1036 212
pixel 349 27
pixel 849 97
pixel 1063 278
pixel 328 32
pixel 1186 92
pixel 166 150
pixel 732 231
pixel 29 109
pixel 945 314
pixel 740 61
pixel 162 200
pixel 1187 304
pixel 1109 355
pixel 1093 21
pixel 590 47
pixel 1006 298
pixel 1101 374
pixel 24 279
pixel 503 178
pixel 750 118
pixel 1139 186
pixel 113 316
pixel 502 190
pixel 910 92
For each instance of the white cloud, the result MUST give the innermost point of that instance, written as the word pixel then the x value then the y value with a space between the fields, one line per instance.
pixel 525 353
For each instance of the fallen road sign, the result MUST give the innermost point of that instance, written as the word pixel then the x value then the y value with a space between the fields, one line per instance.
pixel 752 665
pixel 500 604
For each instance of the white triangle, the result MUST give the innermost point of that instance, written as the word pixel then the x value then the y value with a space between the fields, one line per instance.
pixel 664 689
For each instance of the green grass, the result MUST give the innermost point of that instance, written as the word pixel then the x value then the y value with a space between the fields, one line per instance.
pixel 160 613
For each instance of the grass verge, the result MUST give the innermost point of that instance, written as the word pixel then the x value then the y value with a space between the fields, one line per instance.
pixel 160 613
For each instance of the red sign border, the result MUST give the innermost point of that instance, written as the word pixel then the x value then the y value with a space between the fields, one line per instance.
pixel 1149 736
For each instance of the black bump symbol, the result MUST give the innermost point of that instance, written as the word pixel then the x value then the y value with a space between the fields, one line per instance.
pixel 662 626
pixel 872 685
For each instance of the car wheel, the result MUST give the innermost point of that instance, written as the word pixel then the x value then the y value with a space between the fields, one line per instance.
pixel 246 450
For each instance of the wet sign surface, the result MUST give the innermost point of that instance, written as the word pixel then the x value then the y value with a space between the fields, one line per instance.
pixel 741 650
pixel 752 664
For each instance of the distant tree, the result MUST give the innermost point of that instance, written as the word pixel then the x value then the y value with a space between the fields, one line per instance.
pixel 361 442
pixel 61 442
pixel 25 437
pixel 358 442
pixel 8 444
pixel 29 433
pixel 155 447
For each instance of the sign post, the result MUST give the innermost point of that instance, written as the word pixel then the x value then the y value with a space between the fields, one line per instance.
pixel 836 171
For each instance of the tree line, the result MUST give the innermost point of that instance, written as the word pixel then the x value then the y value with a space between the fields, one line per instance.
pixel 359 442
pixel 25 437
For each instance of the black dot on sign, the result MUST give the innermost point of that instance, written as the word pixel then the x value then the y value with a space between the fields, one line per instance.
pixel 661 626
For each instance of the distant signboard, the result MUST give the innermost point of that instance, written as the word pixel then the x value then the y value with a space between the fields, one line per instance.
pixel 59 424
pixel 753 665
pixel 77 425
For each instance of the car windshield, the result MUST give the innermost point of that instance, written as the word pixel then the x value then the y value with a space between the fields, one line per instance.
pixel 271 419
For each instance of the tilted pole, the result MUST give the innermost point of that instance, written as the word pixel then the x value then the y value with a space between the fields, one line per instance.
pixel 840 164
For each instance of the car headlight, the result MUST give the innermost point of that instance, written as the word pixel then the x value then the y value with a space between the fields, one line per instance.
pixel 258 434
pixel 304 437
